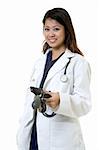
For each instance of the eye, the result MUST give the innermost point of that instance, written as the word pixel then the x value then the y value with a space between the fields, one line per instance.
pixel 46 29
pixel 56 29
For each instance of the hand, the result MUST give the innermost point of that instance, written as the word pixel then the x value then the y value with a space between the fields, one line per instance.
pixel 54 100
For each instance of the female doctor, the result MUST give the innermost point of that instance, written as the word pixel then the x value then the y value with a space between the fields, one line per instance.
pixel 62 72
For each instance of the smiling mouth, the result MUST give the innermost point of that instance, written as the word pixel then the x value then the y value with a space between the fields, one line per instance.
pixel 52 40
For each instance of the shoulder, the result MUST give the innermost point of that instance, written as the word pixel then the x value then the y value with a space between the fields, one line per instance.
pixel 38 59
pixel 41 58
pixel 79 59
pixel 76 58
pixel 81 64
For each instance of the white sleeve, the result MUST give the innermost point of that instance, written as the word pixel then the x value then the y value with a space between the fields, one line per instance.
pixel 27 116
pixel 77 103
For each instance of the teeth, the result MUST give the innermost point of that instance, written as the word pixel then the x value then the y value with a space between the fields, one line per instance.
pixel 52 40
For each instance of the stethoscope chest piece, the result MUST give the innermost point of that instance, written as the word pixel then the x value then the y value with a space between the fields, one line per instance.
pixel 64 78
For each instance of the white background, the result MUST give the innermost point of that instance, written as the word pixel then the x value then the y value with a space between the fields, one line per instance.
pixel 21 43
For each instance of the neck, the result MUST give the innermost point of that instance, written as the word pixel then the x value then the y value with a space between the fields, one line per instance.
pixel 57 52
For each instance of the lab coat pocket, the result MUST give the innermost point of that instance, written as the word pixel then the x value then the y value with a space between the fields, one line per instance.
pixel 78 142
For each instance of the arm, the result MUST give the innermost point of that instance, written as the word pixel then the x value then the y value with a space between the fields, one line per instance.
pixel 77 103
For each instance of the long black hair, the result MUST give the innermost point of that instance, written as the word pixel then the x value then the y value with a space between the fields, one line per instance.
pixel 63 17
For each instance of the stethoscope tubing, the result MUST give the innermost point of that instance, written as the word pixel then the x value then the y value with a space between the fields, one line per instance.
pixel 67 65
pixel 63 79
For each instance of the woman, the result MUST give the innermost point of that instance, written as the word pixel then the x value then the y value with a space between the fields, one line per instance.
pixel 63 73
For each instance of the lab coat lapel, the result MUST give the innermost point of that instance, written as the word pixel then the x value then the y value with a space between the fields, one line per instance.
pixel 60 63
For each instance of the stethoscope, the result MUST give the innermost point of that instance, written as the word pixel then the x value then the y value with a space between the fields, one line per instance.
pixel 64 77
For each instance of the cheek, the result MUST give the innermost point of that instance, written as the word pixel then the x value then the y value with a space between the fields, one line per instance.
pixel 45 35
pixel 61 39
pixel 62 36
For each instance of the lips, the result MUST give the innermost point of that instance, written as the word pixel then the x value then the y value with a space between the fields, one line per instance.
pixel 52 40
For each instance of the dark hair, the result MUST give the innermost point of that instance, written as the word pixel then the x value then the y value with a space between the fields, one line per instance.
pixel 63 17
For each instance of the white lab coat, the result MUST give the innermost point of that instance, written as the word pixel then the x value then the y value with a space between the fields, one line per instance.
pixel 61 132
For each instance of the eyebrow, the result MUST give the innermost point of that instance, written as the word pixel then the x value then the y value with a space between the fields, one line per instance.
pixel 53 26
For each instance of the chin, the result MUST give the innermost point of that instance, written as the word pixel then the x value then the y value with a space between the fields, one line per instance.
pixel 53 45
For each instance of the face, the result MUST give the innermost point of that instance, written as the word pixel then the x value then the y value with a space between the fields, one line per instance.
pixel 54 33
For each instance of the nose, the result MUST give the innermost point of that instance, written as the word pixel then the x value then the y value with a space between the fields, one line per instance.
pixel 51 33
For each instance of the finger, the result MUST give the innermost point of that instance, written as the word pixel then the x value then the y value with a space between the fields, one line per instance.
pixel 47 99
pixel 51 103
